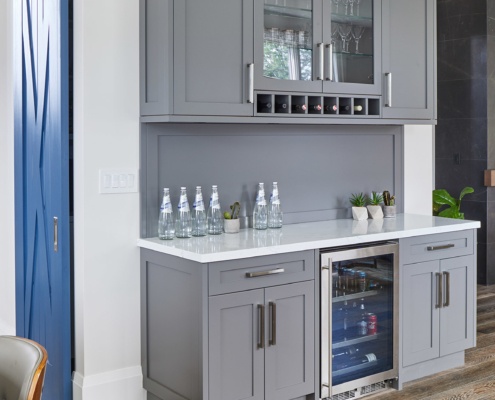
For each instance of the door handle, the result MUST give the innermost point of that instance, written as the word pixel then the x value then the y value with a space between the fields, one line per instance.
pixel 388 75
pixel 251 83
pixel 321 54
pixel 329 48
pixel 273 324
pixel 439 290
pixel 447 289
pixel 55 234
pixel 326 330
pixel 442 247
pixel 264 273
pixel 261 325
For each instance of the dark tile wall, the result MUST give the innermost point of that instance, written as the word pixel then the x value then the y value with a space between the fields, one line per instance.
pixel 466 85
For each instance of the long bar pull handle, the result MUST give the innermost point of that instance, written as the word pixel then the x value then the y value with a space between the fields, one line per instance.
pixel 326 331
pixel 251 83
pixel 55 234
pixel 442 247
pixel 329 48
pixel 273 323
pixel 447 289
pixel 321 54
pixel 264 273
pixel 388 75
pixel 261 324
pixel 439 290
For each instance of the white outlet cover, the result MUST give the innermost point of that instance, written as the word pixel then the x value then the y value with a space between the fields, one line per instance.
pixel 118 180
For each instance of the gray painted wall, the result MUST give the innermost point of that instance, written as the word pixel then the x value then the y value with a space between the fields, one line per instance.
pixel 316 167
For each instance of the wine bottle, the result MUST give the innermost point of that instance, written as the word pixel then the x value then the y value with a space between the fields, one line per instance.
pixel 346 361
pixel 264 104
pixel 315 107
pixel 331 108
pixel 299 107
pixel 281 107
pixel 344 108
pixel 358 108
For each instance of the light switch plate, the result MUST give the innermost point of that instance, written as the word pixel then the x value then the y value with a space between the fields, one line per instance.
pixel 118 180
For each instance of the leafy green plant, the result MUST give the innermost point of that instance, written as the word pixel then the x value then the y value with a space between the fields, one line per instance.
pixel 358 200
pixel 442 198
pixel 375 199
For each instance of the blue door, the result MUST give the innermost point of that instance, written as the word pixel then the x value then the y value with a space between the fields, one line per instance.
pixel 42 228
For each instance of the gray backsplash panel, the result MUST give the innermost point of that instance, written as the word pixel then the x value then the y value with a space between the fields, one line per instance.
pixel 316 167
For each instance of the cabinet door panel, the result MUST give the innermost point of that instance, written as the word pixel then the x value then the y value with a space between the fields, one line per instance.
pixel 408 54
pixel 420 318
pixel 236 364
pixel 289 363
pixel 458 318
pixel 213 44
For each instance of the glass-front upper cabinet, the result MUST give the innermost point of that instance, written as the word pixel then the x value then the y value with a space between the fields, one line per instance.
pixel 317 45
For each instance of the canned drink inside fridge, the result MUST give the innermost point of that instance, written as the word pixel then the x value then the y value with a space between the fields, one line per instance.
pixel 372 324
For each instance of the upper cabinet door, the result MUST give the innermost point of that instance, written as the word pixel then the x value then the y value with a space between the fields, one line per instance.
pixel 352 46
pixel 213 46
pixel 287 34
pixel 408 45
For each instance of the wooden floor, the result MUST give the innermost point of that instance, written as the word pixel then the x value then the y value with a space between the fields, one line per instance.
pixel 474 381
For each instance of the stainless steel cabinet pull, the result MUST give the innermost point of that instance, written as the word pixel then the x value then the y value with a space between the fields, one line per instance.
pixel 264 273
pixel 261 324
pixel 388 75
pixel 442 247
pixel 321 62
pixel 326 330
pixel 55 234
pixel 329 77
pixel 251 83
pixel 273 313
pixel 447 289
pixel 439 290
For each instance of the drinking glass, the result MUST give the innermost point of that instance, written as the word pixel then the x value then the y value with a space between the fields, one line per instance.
pixel 357 7
pixel 351 2
pixel 357 32
pixel 336 2
pixel 346 4
pixel 344 31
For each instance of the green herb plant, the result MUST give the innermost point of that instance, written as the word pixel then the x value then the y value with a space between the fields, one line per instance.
pixel 442 198
pixel 375 199
pixel 358 200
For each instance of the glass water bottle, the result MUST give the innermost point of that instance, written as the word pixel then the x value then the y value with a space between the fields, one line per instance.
pixel 274 210
pixel 166 227
pixel 215 218
pixel 199 223
pixel 183 226
pixel 260 215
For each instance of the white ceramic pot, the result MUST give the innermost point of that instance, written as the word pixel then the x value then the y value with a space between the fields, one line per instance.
pixel 359 213
pixel 389 211
pixel 231 225
pixel 375 212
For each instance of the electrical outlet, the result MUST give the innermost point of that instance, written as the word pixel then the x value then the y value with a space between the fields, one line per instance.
pixel 121 180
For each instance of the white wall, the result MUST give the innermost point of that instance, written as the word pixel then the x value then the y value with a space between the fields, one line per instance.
pixel 7 268
pixel 419 176
pixel 106 135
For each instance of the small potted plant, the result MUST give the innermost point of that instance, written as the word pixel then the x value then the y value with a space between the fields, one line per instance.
pixel 389 210
pixel 358 202
pixel 374 207
pixel 231 223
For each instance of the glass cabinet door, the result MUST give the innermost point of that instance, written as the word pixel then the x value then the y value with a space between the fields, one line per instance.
pixel 353 33
pixel 286 59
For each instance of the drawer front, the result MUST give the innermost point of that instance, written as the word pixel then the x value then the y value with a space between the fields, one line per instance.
pixel 259 272
pixel 435 247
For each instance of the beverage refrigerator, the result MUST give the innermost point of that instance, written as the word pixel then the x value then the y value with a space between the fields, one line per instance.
pixel 359 320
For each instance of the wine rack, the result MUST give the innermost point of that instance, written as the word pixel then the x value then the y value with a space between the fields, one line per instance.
pixel 313 106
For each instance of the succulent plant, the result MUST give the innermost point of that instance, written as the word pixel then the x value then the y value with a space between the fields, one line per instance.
pixel 234 211
pixel 387 199
pixel 358 199
pixel 375 199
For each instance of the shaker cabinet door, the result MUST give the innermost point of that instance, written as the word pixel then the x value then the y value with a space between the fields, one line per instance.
pixel 290 351
pixel 408 46
pixel 420 317
pixel 236 362
pixel 213 45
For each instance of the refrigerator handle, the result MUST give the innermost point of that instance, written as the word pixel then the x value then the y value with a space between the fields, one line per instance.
pixel 326 330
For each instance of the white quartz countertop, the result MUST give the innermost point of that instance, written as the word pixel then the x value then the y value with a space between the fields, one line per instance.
pixel 306 236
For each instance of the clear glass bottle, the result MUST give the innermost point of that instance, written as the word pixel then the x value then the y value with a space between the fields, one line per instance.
pixel 260 215
pixel 199 224
pixel 166 227
pixel 215 218
pixel 275 215
pixel 183 225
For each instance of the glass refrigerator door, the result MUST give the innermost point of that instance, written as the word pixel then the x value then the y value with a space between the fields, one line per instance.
pixel 362 317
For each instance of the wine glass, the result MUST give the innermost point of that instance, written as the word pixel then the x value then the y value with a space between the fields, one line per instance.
pixel 357 7
pixel 351 2
pixel 336 2
pixel 335 33
pixel 346 4
pixel 344 31
pixel 357 33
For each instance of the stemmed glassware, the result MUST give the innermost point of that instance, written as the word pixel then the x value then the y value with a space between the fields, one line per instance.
pixel 357 7
pixel 357 33
pixel 336 2
pixel 344 31
pixel 346 4
pixel 351 2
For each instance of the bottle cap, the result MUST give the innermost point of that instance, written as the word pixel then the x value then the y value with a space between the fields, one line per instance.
pixel 275 183
pixel 214 186
pixel 198 187
pixel 182 188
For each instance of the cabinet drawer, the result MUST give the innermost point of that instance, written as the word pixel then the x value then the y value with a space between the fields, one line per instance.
pixel 435 247
pixel 259 272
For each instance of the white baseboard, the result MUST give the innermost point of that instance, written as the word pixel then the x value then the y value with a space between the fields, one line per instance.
pixel 122 384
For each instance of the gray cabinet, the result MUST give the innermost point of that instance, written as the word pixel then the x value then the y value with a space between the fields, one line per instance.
pixel 408 59
pixel 240 329
pixel 194 57
pixel 438 315
pixel 262 343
